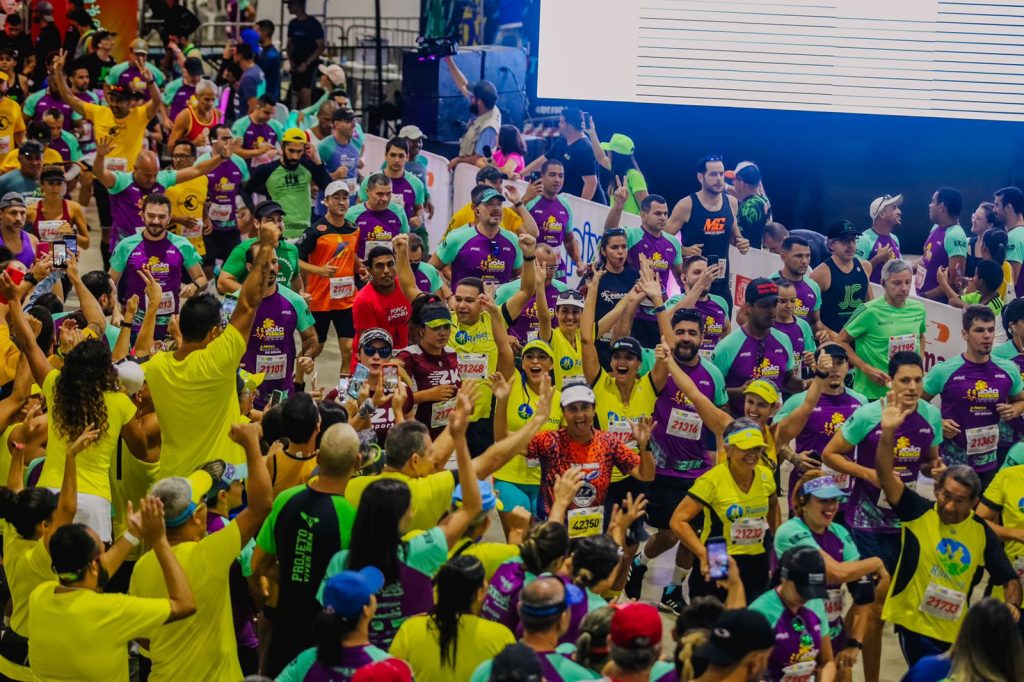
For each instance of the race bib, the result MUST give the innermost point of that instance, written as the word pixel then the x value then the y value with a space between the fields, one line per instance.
pixel 943 602
pixel 799 672
pixel 982 440
pixel 902 342
pixel 747 531
pixel 50 230
pixel 342 287
pixel 919 279
pixel 584 522
pixel 271 365
pixel 623 431
pixel 371 245
pixel 532 336
pixel 684 424
pixel 5 144
pixel 439 413
pixel 842 480
pixel 166 306
pixel 219 212
pixel 116 163
pixel 834 605
pixel 473 365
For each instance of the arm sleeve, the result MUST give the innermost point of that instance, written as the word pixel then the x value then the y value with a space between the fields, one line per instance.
pixel 450 245
pixel 703 490
pixel 955 243
pixel 911 506
pixel 488 138
pixel 320 175
pixel 994 496
pixel 306 243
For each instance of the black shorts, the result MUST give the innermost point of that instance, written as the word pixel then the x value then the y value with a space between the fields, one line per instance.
pixel 664 494
pixel 616 493
pixel 219 244
pixel 102 196
pixel 307 78
pixel 341 319
pixel 480 435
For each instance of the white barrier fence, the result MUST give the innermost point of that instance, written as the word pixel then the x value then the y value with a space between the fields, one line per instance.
pixel 450 191
pixel 942 338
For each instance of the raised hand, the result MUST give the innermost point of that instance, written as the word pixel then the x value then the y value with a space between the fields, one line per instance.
pixel 621 193
pixel 246 434
pixel 642 430
pixel 499 386
pixel 566 485
pixel 527 244
pixel 892 414
pixel 88 436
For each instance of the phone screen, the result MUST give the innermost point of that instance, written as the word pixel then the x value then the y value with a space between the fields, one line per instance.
pixel 71 243
pixel 358 379
pixel 277 397
pixel 60 255
pixel 718 559
pixel 390 378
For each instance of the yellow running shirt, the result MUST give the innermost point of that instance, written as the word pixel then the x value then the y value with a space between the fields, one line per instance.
pixel 478 357
pixel 937 567
pixel 615 416
pixel 740 517
pixel 522 403
pixel 126 134
pixel 568 361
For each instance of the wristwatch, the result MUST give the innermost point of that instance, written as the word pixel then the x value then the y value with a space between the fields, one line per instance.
pixel 821 375
pixel 850 641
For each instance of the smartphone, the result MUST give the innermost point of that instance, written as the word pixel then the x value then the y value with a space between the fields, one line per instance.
pixel 718 559
pixel 713 261
pixel 357 381
pixel 16 277
pixel 277 397
pixel 60 254
pixel 227 309
pixel 343 382
pixel 390 371
pixel 586 120
pixel 42 248
pixel 71 243
pixel 533 177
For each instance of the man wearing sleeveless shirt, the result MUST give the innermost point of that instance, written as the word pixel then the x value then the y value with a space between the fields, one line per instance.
pixel 706 220
pixel 843 278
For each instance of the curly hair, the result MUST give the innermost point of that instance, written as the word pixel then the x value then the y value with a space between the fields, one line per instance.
pixel 78 393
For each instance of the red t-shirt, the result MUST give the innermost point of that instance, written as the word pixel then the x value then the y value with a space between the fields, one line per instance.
pixel 428 371
pixel 391 312
pixel 558 452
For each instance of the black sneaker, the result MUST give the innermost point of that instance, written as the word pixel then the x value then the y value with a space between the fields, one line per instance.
pixel 672 600
pixel 635 581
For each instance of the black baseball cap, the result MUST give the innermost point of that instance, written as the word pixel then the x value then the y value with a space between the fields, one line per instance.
pixel 761 289
pixel 267 208
pixel 490 174
pixel 31 148
pixel 193 66
pixel 343 114
pixel 806 568
pixel 52 173
pixel 843 229
pixel 519 659
pixel 736 633
pixel 628 344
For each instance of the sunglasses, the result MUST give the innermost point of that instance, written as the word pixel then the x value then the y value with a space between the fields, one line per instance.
pixel 383 353
pixel 571 295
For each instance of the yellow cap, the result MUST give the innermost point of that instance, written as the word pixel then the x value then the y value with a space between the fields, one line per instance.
pixel 746 439
pixel 538 344
pixel 765 390
pixel 294 135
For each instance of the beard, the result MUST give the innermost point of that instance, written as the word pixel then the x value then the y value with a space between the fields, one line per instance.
pixel 290 164
pixel 685 352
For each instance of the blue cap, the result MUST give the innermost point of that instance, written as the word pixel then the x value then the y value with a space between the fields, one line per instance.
pixel 346 593
pixel 823 487
pixel 490 500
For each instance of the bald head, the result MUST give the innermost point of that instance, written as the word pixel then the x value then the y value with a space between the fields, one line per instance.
pixel 339 451
pixel 327 108
pixel 147 165
pixel 547 257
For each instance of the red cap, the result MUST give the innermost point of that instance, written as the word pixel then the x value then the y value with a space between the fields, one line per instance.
pixel 636 626
pixel 388 670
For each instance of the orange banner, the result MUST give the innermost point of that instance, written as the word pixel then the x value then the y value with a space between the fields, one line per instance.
pixel 119 17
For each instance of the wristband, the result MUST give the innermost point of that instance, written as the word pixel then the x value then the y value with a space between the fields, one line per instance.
pixel 854 643
pixel 660 309
pixel 125 325
pixel 529 258
pixel 30 278
pixel 821 375
pixel 132 540
pixel 518 204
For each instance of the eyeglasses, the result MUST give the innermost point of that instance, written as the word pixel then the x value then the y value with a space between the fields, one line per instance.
pixel 382 352
pixel 571 295
pixel 615 231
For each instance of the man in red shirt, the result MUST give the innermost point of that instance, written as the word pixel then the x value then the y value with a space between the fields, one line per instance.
pixel 381 303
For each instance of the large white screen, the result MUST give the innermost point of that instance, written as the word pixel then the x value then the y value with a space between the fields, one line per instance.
pixel 938 58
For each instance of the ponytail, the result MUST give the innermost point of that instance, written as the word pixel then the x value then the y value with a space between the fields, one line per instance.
pixel 544 547
pixel 458 583
pixel 687 666
pixel 594 559
pixel 592 643
pixel 328 629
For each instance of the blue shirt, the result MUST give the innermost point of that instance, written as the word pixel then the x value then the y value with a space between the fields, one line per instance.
pixel 270 61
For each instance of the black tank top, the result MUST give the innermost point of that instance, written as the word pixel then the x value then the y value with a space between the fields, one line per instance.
pixel 847 292
pixel 710 228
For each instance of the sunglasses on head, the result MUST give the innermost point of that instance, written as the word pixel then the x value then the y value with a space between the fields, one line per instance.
pixel 383 352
